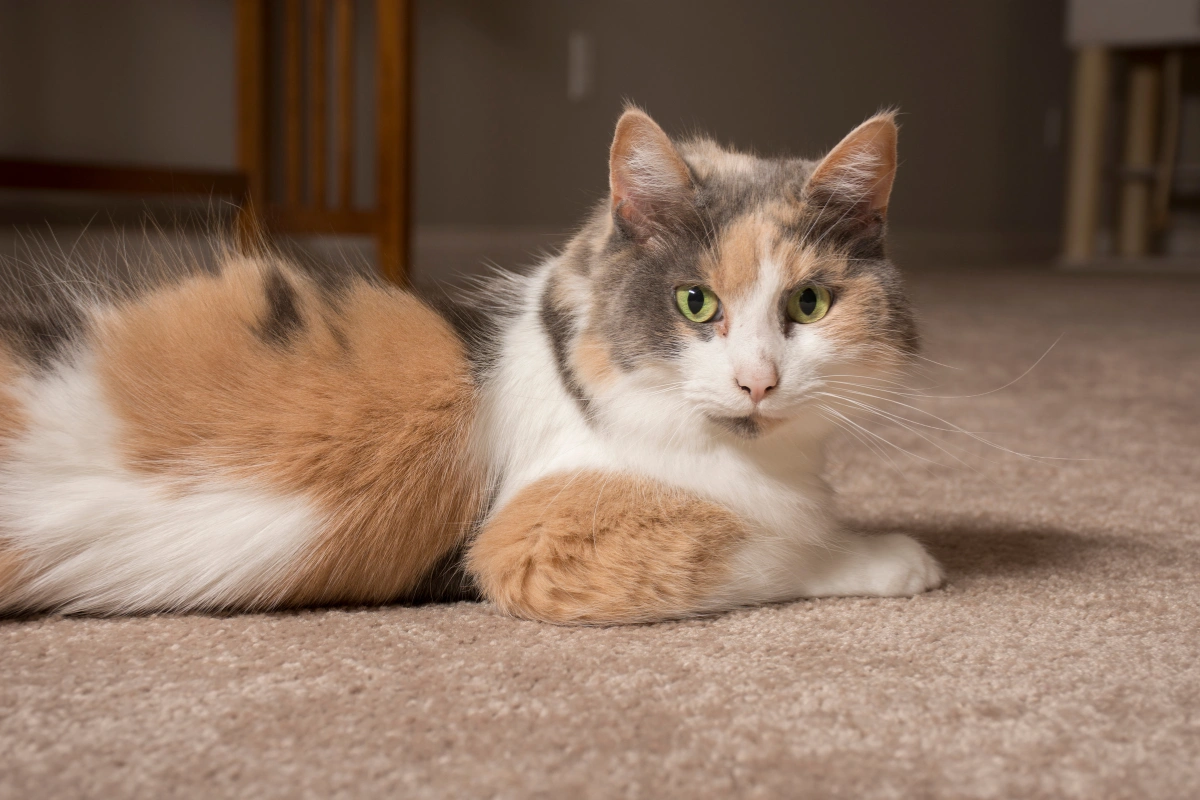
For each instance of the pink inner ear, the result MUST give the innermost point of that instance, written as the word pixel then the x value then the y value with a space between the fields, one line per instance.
pixel 630 212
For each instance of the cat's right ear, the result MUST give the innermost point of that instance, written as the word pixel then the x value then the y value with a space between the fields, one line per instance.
pixel 650 183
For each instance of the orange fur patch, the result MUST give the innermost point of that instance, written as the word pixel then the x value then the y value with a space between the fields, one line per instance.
pixel 734 269
pixel 604 548
pixel 363 407
pixel 798 263
pixel 592 361
pixel 856 308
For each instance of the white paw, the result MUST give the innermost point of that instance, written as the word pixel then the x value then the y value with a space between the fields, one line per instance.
pixel 898 566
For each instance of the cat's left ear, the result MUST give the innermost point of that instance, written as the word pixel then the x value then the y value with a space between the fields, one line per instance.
pixel 857 175
pixel 650 183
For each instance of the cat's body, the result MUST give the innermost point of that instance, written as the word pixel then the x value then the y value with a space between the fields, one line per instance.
pixel 635 432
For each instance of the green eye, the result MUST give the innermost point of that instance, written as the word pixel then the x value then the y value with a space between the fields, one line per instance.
pixel 697 303
pixel 809 303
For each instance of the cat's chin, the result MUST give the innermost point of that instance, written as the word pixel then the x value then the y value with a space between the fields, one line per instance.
pixel 750 426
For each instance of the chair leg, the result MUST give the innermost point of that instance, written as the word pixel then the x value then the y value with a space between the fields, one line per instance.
pixel 1168 147
pixel 251 33
pixel 1141 124
pixel 1088 111
pixel 393 115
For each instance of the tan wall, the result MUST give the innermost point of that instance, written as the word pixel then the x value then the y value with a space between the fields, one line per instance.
pixel 120 80
pixel 499 143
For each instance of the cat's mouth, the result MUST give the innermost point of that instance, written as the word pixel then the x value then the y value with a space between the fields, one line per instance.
pixel 748 427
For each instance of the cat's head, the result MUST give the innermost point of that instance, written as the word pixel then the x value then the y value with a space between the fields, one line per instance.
pixel 729 288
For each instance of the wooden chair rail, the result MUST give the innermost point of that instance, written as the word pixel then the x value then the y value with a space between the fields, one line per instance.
pixel 36 174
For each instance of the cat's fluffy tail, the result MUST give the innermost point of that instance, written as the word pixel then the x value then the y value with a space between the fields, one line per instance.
pixel 248 438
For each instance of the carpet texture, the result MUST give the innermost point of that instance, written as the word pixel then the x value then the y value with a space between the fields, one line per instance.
pixel 1059 661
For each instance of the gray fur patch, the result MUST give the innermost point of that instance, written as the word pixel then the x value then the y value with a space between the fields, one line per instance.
pixel 636 293
pixel 560 327
pixel 477 329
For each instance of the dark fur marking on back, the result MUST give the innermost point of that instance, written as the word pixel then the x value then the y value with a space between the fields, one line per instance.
pixel 41 340
pixel 282 321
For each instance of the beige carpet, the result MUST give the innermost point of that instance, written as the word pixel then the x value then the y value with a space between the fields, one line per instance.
pixel 1060 661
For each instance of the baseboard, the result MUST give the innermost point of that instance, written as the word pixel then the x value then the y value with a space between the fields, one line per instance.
pixel 916 247
pixel 1176 265
pixel 452 253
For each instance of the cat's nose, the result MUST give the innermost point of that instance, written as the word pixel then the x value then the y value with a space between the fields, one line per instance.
pixel 758 381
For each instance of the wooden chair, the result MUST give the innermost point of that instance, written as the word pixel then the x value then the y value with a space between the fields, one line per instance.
pixel 304 207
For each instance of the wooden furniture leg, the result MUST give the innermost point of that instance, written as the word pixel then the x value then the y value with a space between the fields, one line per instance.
pixel 1141 133
pixel 1168 147
pixel 1088 110
pixel 252 117
pixel 393 112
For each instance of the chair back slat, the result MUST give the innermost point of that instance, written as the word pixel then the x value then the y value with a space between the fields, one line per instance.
pixel 344 79
pixel 314 95
pixel 293 102
pixel 318 120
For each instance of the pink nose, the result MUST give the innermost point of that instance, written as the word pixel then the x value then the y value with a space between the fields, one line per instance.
pixel 758 382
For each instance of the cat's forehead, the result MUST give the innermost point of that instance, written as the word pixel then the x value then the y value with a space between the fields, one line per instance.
pixel 733 183
pixel 760 247
pixel 756 209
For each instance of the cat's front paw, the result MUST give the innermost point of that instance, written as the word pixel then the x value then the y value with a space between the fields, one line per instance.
pixel 899 567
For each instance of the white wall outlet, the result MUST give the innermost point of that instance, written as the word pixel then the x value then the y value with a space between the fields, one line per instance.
pixel 580 65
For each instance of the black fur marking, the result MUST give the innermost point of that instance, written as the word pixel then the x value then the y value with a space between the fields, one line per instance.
pixel 41 341
pixel 282 321
pixel 559 328
pixel 447 581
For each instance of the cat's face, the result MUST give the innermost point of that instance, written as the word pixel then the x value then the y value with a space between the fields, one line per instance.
pixel 739 290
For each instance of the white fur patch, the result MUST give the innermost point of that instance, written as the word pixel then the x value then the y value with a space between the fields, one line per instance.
pixel 101 538
pixel 532 428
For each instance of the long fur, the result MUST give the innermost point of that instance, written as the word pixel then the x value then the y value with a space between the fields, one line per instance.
pixel 254 437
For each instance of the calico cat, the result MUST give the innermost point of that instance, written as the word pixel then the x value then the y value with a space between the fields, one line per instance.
pixel 632 432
